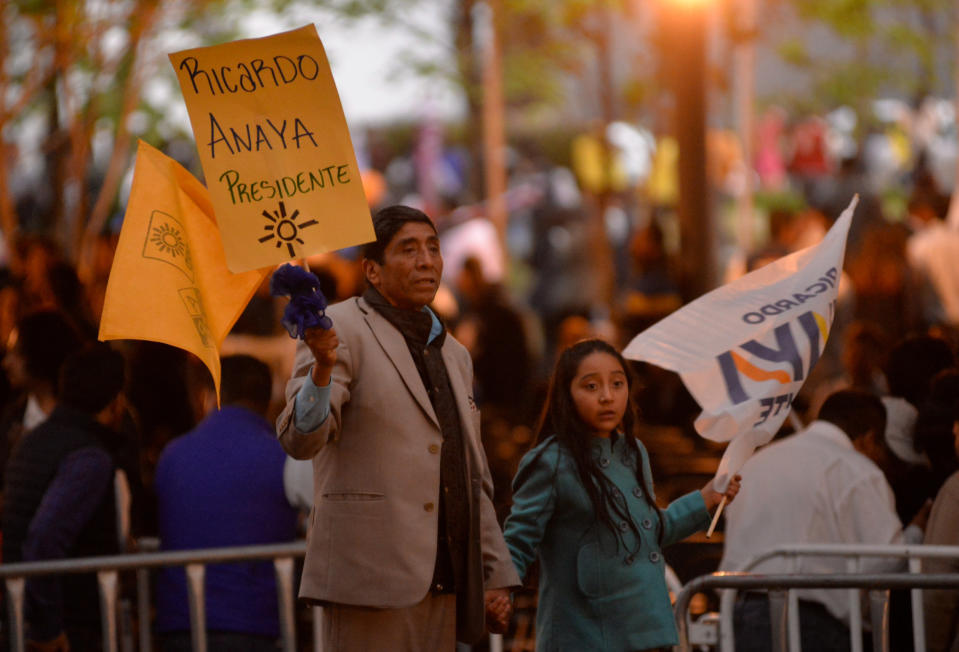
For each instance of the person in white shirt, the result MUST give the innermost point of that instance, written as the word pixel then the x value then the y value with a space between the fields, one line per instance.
pixel 932 252
pixel 820 485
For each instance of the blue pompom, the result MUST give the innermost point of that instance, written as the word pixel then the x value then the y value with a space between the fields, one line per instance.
pixel 307 304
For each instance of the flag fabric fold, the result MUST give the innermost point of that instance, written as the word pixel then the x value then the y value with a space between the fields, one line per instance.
pixel 744 349
pixel 169 282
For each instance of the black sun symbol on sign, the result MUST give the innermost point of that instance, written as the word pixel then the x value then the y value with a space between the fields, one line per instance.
pixel 283 228
pixel 168 240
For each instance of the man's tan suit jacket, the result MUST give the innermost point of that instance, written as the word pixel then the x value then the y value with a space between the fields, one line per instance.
pixel 376 467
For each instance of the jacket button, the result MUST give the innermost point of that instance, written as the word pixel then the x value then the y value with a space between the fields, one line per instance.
pixel 647 523
pixel 623 526
pixel 604 462
pixel 434 448
pixel 428 507
pixel 654 557
pixel 637 492
pixel 629 559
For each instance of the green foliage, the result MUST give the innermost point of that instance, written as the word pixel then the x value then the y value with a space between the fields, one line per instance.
pixel 636 93
pixel 541 43
pixel 361 8
pixel 895 203
pixel 32 7
pixel 850 82
pixel 849 18
pixel 767 201
pixel 540 48
pixel 793 51
pixel 889 47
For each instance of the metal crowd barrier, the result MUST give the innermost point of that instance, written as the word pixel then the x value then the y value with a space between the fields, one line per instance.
pixel 911 556
pixel 108 568
pixel 783 619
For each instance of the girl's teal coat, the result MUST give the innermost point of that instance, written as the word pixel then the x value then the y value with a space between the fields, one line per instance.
pixel 594 594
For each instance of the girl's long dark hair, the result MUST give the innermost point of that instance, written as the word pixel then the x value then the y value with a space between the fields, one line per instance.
pixel 560 419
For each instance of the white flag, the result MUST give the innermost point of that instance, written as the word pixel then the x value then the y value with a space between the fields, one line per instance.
pixel 744 349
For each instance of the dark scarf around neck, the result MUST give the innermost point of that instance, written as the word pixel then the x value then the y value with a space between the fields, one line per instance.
pixel 415 325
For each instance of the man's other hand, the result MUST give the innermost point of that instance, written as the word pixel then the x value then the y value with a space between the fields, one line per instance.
pixel 499 609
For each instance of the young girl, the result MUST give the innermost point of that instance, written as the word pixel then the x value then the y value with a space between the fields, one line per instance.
pixel 583 503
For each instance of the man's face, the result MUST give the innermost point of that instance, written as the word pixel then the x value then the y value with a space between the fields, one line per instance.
pixel 412 265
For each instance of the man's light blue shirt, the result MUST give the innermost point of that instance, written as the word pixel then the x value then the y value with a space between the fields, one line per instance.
pixel 313 403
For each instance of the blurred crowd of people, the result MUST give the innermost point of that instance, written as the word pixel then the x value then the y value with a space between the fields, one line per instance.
pixel 896 335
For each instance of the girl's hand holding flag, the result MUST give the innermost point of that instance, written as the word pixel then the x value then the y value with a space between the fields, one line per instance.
pixel 713 497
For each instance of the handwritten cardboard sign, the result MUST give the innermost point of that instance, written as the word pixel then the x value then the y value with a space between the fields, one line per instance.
pixel 274 147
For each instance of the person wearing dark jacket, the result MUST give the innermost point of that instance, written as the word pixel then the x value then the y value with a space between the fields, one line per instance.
pixel 39 344
pixel 59 499
pixel 220 485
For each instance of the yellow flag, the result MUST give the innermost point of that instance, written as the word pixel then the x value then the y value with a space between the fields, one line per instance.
pixel 169 282
pixel 275 148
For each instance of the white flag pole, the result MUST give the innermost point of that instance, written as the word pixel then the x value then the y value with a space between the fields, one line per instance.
pixel 719 510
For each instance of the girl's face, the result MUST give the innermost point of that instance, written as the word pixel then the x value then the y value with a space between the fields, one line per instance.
pixel 600 392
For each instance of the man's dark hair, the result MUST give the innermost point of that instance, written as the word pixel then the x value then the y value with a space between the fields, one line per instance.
pixel 912 364
pixel 386 223
pixel 246 381
pixel 855 412
pixel 91 378
pixel 45 338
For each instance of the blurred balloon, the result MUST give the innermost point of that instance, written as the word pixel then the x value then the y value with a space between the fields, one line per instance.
pixel 374 186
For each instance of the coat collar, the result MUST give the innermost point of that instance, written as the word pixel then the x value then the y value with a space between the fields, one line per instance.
pixel 394 346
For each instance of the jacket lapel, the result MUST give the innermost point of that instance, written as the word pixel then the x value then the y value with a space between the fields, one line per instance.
pixel 394 346
pixel 464 400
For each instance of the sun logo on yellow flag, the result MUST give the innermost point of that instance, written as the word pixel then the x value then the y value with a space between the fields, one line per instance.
pixel 168 240
pixel 165 242
pixel 283 228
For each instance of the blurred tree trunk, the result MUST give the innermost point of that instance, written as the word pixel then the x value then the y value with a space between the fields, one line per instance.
pixel 79 83
pixel 685 72
pixel 494 132
pixel 143 21
pixel 469 72
pixel 600 251
pixel 8 212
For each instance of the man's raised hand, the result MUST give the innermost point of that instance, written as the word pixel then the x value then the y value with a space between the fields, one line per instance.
pixel 322 343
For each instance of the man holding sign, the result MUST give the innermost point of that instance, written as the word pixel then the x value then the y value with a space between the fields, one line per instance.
pixel 404 549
